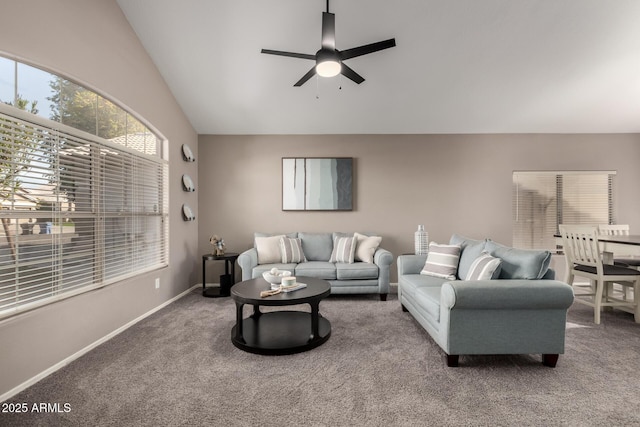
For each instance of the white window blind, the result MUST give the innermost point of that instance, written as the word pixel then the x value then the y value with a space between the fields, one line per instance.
pixel 543 200
pixel 78 212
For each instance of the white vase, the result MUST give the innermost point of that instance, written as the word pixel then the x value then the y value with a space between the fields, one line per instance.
pixel 421 241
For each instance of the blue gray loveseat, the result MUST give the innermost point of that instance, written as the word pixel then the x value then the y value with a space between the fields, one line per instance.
pixel 519 309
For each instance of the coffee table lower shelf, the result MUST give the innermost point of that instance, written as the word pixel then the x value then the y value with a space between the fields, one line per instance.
pixel 280 332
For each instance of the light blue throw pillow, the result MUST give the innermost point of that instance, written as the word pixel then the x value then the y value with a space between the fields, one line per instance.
pixel 317 246
pixel 470 251
pixel 520 263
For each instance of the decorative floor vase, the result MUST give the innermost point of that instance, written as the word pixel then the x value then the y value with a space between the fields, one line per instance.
pixel 421 241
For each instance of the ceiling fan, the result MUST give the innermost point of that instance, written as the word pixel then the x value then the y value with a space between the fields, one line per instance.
pixel 329 60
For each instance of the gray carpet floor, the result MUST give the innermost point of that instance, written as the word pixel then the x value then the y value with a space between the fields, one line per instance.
pixel 379 368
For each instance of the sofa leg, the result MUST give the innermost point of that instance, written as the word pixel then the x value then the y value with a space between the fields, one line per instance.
pixel 383 297
pixel 452 360
pixel 404 308
pixel 550 360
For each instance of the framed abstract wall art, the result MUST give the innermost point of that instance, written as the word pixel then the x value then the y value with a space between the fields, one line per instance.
pixel 317 183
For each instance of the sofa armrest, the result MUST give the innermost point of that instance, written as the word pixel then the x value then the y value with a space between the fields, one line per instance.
pixel 382 257
pixel 506 294
pixel 410 264
pixel 247 260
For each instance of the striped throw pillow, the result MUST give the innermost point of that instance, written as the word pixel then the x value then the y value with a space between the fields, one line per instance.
pixel 291 250
pixel 442 261
pixel 344 249
pixel 483 267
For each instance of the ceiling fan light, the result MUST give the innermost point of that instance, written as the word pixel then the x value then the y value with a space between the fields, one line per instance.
pixel 329 68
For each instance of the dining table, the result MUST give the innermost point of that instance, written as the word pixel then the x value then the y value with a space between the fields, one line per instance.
pixel 621 245
pixel 618 245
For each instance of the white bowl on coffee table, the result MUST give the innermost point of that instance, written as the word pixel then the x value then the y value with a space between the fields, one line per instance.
pixel 275 279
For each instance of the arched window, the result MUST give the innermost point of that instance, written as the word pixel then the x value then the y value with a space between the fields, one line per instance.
pixel 83 190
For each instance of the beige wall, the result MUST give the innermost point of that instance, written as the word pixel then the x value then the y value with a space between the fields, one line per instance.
pixel 449 183
pixel 455 183
pixel 92 42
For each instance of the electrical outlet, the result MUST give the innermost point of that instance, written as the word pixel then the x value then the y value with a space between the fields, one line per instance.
pixel 157 283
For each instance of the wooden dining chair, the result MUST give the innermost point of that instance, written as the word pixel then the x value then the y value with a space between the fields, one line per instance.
pixel 584 259
pixel 621 259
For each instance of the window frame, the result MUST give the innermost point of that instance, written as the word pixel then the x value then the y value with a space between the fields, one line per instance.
pixel 99 147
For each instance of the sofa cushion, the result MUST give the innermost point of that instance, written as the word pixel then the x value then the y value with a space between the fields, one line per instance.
pixel 366 247
pixel 470 249
pixel 485 267
pixel 409 283
pixel 344 249
pixel 261 268
pixel 318 269
pixel 442 261
pixel 520 263
pixel 291 250
pixel 268 249
pixel 420 280
pixel 317 246
pixel 428 299
pixel 358 270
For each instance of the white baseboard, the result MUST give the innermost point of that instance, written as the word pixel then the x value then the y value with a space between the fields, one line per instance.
pixel 88 348
pixel 393 288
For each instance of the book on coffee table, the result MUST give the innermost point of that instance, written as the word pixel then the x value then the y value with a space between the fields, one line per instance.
pixel 292 288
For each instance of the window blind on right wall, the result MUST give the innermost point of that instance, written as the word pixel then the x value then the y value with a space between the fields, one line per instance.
pixel 542 200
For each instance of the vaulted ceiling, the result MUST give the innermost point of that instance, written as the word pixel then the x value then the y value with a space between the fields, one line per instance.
pixel 460 66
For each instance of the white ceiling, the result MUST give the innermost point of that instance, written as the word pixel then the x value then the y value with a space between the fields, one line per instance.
pixel 460 66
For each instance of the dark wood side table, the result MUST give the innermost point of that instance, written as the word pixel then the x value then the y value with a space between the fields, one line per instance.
pixel 226 280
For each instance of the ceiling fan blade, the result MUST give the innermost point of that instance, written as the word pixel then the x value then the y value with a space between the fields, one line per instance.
pixel 290 54
pixel 368 48
pixel 306 77
pixel 328 31
pixel 350 74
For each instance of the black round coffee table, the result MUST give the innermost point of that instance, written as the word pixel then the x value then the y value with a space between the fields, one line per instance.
pixel 280 332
